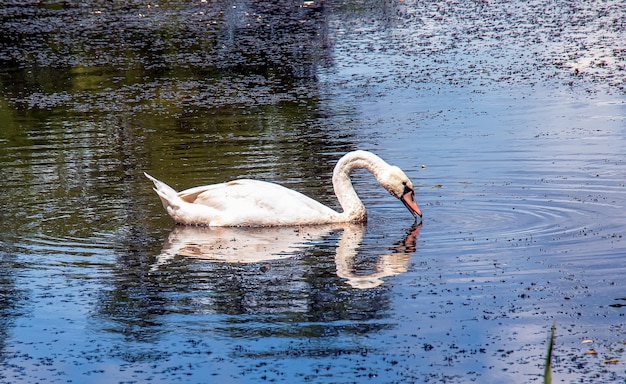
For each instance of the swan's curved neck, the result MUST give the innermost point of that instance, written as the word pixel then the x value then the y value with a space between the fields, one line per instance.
pixel 353 208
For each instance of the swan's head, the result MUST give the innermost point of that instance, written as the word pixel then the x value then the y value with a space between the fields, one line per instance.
pixel 398 184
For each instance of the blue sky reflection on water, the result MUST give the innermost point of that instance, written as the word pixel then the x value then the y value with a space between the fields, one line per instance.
pixel 524 191
pixel 516 146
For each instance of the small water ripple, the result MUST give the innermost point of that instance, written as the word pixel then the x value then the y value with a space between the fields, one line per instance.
pixel 561 215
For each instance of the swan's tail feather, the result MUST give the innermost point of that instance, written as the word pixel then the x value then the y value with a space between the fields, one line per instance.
pixel 169 197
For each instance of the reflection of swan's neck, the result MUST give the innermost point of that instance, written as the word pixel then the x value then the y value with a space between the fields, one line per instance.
pixel 353 208
pixel 388 264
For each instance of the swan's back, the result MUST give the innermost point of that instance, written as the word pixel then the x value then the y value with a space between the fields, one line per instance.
pixel 257 203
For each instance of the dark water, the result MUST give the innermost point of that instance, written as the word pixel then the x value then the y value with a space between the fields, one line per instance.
pixel 508 116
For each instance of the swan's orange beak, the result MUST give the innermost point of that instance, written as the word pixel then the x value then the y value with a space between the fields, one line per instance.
pixel 408 198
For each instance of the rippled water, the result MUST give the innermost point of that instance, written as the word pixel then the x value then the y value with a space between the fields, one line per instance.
pixel 509 118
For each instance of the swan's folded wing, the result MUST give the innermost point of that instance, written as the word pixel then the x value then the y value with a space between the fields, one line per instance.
pixel 253 202
pixel 190 195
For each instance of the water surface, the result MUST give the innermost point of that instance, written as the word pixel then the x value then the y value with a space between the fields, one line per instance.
pixel 508 117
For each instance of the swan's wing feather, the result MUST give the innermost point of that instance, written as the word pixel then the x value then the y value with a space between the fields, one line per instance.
pixel 191 194
pixel 257 203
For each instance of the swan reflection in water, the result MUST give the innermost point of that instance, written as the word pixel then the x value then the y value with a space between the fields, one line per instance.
pixel 262 244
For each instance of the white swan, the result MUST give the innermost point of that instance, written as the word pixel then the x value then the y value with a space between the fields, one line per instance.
pixel 257 203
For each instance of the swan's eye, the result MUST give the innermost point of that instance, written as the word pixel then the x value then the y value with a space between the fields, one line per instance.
pixel 407 189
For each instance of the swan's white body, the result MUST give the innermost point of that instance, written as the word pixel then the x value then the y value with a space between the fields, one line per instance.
pixel 258 203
